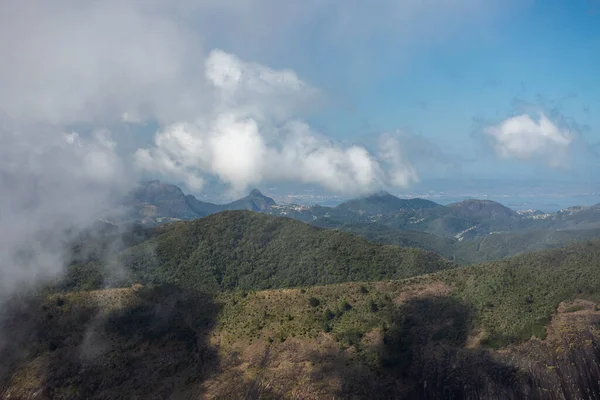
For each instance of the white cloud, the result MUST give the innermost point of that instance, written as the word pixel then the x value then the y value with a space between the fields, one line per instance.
pixel 237 151
pixel 525 138
pixel 401 172
pixel 71 61
pixel 51 183
pixel 305 156
pixel 249 136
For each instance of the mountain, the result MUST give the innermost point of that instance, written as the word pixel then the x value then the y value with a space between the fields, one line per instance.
pixel 201 208
pixel 383 203
pixel 154 199
pixel 461 231
pixel 255 201
pixel 486 209
pixel 251 251
pixel 153 202
pixel 519 328
pixel 464 220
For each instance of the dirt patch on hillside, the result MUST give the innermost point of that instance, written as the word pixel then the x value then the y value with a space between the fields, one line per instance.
pixel 430 290
pixel 295 368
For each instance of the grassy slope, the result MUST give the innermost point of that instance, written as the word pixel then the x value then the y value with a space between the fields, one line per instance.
pixel 382 339
pixel 508 300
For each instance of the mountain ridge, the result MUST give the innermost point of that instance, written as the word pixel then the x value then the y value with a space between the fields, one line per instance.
pixel 458 231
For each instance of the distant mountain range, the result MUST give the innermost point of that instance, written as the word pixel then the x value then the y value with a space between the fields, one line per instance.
pixel 154 202
pixel 466 232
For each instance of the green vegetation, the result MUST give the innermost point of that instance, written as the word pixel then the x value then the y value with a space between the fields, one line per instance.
pixel 252 251
pixel 383 203
pixel 514 299
pixel 508 301
pixel 245 305
pixel 467 232
pixel 502 245
pixel 357 339
pixel 489 247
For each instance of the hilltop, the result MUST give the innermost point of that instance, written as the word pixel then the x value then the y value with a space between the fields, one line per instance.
pixel 255 201
pixel 482 209
pixel 383 203
pixel 250 251
pixel 154 199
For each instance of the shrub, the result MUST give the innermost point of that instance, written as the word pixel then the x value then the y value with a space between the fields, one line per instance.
pixel 314 302
pixel 346 306
pixel 373 306
pixel 328 315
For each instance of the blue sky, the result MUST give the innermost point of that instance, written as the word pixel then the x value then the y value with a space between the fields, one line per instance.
pixel 547 54
pixel 544 53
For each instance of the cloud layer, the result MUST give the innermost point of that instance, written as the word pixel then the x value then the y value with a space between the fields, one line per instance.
pixel 53 184
pixel 527 139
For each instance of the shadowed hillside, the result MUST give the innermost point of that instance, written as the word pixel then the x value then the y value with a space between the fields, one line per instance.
pixel 524 328
pixel 149 343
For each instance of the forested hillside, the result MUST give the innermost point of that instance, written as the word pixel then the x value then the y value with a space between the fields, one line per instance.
pixel 251 251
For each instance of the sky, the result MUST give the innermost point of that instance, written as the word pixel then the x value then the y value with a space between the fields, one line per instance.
pixel 347 96
pixel 541 57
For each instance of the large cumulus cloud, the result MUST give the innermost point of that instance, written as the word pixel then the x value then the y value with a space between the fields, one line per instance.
pixel 250 135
